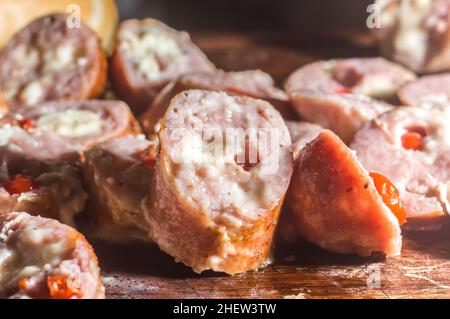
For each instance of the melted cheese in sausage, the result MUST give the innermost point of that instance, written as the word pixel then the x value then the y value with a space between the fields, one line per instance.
pixel 32 93
pixel 72 123
pixel 411 39
pixel 30 250
pixel 199 165
pixel 147 47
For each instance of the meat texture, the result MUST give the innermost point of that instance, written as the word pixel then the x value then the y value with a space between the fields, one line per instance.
pixel 343 94
pixel 42 259
pixel 148 55
pixel 118 175
pixel 426 90
pixel 252 83
pixel 415 33
pixel 410 146
pixel 220 178
pixel 334 203
pixel 49 61
pixel 71 126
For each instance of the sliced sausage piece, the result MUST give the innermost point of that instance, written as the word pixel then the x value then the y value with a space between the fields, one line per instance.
pixel 149 54
pixel 81 124
pixel 335 204
pixel 301 134
pixel 342 114
pixel 427 89
pixel 410 147
pixel 34 185
pixel 42 259
pixel 118 175
pixel 372 77
pixel 341 95
pixel 16 135
pixel 47 60
pixel 252 83
pixel 39 188
pixel 221 175
pixel 415 33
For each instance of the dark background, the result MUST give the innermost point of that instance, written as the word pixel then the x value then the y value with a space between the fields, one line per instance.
pixel 295 16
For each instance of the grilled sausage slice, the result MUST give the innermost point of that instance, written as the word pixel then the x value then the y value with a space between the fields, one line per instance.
pixel 344 94
pixel 148 54
pixel 219 182
pixel 41 258
pixel 427 89
pixel 80 124
pixel 415 33
pixel 118 176
pixel 252 83
pixel 47 60
pixel 334 203
pixel 410 147
pixel 30 182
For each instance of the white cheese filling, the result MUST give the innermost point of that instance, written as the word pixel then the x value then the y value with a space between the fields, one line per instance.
pixel 15 265
pixel 146 47
pixel 377 87
pixel 411 39
pixel 72 123
pixel 32 93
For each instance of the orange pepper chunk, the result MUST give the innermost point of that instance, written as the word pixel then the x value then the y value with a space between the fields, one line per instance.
pixel 390 195
pixel 61 288
pixel 18 184
pixel 412 141
pixel 343 91
pixel 26 124
pixel 23 283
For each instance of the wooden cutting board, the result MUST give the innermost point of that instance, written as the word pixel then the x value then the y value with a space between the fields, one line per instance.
pixel 300 270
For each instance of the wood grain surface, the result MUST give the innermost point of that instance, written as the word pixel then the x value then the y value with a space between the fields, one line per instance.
pixel 300 270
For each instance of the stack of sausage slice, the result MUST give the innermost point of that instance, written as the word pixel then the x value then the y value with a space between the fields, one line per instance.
pixel 223 150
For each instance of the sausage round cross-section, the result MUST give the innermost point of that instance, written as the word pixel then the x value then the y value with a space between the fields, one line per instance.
pixel 47 60
pixel 334 203
pixel 81 124
pixel 41 258
pixel 37 188
pixel 410 146
pixel 427 89
pixel 252 83
pixel 149 54
pixel 344 94
pixel 221 175
pixel 118 175
pixel 415 33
